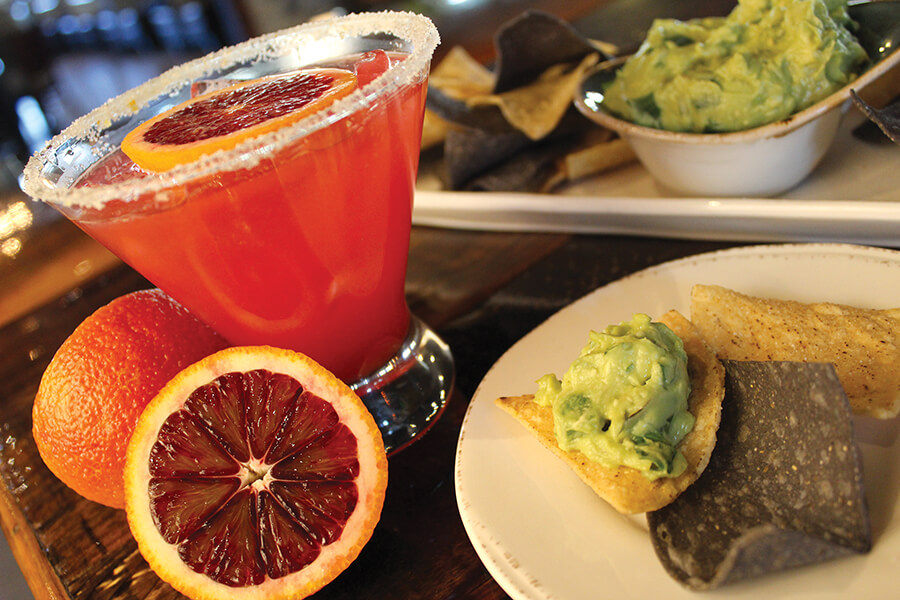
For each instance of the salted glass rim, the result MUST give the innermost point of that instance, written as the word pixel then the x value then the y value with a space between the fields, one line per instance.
pixel 413 28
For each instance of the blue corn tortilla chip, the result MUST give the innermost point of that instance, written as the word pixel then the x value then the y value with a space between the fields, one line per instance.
pixel 504 162
pixel 887 119
pixel 532 42
pixel 470 152
pixel 784 486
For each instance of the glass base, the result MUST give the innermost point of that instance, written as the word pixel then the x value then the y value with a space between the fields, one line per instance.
pixel 407 395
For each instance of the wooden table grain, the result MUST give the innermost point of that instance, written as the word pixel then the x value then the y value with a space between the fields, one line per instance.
pixel 482 291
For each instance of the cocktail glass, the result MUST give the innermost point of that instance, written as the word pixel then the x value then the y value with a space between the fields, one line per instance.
pixel 298 238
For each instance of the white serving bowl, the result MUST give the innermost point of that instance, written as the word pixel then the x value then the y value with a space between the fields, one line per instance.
pixel 758 162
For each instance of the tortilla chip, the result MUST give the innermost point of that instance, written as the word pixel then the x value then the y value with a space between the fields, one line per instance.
pixel 626 489
pixel 470 152
pixel 460 76
pixel 534 50
pixel 784 487
pixel 604 155
pixel 529 170
pixel 530 43
pixel 863 344
pixel 887 119
pixel 534 168
pixel 457 111
pixel 487 118
pixel 434 130
pixel 537 108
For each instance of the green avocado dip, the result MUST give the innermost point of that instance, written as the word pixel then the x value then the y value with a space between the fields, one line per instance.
pixel 623 401
pixel 763 62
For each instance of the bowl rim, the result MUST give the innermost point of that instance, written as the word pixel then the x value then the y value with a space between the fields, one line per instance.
pixel 775 129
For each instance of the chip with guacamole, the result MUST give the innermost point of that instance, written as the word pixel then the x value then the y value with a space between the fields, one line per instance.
pixel 763 62
pixel 623 401
pixel 635 416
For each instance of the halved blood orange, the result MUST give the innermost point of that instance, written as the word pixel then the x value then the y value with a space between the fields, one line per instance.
pixel 223 118
pixel 254 473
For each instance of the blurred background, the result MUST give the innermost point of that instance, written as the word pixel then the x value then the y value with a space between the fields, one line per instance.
pixel 59 59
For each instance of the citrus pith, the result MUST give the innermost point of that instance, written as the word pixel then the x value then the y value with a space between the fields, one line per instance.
pixel 223 118
pixel 254 473
pixel 102 377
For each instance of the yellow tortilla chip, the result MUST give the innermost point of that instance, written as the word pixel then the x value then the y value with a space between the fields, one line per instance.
pixel 597 158
pixel 536 109
pixel 600 151
pixel 627 489
pixel 460 76
pixel 434 130
pixel 863 344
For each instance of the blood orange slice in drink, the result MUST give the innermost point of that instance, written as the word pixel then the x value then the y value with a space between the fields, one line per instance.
pixel 223 118
pixel 254 473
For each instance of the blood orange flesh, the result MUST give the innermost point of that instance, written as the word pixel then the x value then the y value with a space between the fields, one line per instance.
pixel 240 108
pixel 223 118
pixel 284 472
pixel 255 477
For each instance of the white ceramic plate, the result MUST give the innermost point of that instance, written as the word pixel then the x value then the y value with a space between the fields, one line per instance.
pixel 850 197
pixel 543 534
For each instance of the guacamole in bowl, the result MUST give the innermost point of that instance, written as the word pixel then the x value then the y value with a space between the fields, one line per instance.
pixel 765 61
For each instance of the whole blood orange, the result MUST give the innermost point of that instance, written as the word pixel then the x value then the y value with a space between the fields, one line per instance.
pixel 223 118
pixel 99 381
pixel 254 473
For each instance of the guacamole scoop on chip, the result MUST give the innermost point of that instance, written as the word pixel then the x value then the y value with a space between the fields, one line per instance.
pixel 623 401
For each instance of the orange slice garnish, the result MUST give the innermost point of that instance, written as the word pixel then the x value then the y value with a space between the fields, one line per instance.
pixel 223 118
pixel 255 473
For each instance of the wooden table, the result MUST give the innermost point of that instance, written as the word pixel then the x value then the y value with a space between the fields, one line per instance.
pixel 481 291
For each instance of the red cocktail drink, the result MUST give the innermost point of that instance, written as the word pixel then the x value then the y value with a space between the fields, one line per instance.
pixel 298 238
pixel 305 250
